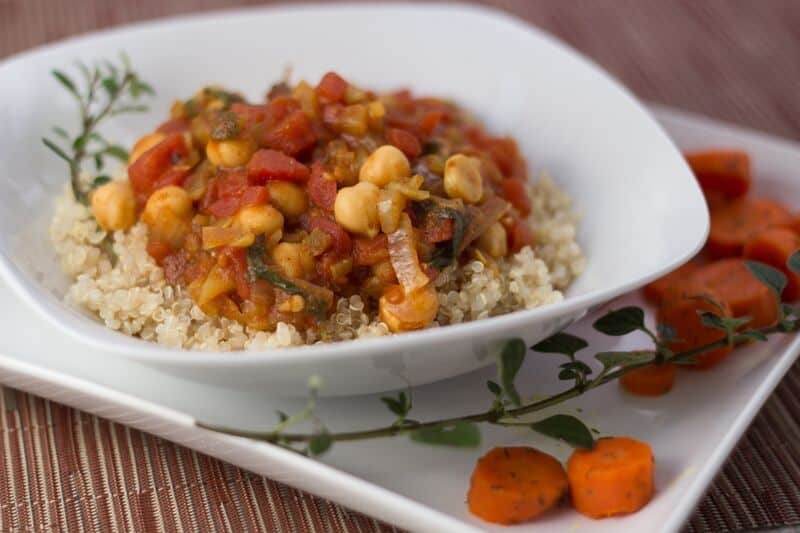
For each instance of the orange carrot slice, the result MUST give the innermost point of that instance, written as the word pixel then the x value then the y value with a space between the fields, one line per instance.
pixel 515 484
pixel 613 478
pixel 742 219
pixel 725 171
pixel 656 291
pixel 652 380
pixel 774 247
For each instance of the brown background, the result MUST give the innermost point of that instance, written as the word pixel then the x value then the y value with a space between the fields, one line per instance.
pixel 733 60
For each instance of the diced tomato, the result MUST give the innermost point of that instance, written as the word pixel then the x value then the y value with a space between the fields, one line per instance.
pixel 293 135
pixel 254 195
pixel 321 191
pixel 519 235
pixel 252 114
pixel 158 251
pixel 174 125
pixel 514 191
pixel 372 251
pixel 145 172
pixel 436 229
pixel 505 153
pixel 174 266
pixel 331 88
pixel 274 165
pixel 279 108
pixel 224 207
pixel 342 243
pixel 238 265
pixel 430 121
pixel 407 142
pixel 231 184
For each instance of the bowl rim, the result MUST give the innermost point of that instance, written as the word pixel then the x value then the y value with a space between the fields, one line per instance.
pixel 96 334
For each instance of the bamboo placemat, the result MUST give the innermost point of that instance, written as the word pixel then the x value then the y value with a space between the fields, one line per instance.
pixel 737 60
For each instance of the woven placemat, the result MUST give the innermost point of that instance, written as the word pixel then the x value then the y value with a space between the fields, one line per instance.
pixel 734 60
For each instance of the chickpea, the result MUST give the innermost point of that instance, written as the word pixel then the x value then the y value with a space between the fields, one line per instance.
pixel 494 240
pixel 406 312
pixel 229 154
pixel 168 214
pixel 462 178
pixel 114 206
pixel 293 258
pixel 356 208
pixel 258 219
pixel 289 198
pixel 144 144
pixel 390 206
pixel 384 165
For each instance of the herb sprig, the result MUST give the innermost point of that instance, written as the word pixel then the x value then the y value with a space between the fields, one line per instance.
pixel 105 90
pixel 507 406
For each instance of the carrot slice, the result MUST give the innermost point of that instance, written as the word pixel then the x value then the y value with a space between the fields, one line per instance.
pixel 515 484
pixel 736 223
pixel 725 171
pixel 657 290
pixel 680 312
pixel 613 478
pixel 653 380
pixel 735 285
pixel 774 247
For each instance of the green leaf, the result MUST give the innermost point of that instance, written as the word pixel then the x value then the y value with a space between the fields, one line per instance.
pixel 398 406
pixel 771 277
pixel 117 152
pixel 460 434
pixel 98 162
pixel 577 366
pixel 61 132
pixel 712 320
pixel 447 253
pixel 508 364
pixel 57 150
pixel 494 388
pixel 620 322
pixel 67 82
pixel 562 343
pixel 753 334
pixel 794 262
pixel 110 85
pixel 138 88
pixel 566 428
pixel 282 417
pixel 129 109
pixel 319 443
pixel 98 181
pixel 788 310
pixel 621 359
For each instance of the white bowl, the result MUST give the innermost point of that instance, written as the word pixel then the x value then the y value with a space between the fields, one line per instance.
pixel 643 212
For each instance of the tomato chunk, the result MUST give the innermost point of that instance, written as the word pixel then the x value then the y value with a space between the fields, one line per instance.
pixel 407 142
pixel 342 243
pixel 331 88
pixel 514 191
pixel 254 195
pixel 174 125
pixel 145 172
pixel 293 135
pixel 237 258
pixel 520 235
pixel 372 251
pixel 274 165
pixel 321 191
pixel 436 229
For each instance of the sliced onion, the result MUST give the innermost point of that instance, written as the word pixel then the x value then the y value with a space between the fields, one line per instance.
pixel 403 256
pixel 235 236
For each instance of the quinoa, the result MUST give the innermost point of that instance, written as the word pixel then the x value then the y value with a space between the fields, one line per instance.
pixel 131 295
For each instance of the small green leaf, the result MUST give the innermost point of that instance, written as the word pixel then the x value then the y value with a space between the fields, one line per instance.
pixel 460 434
pixel 794 262
pixel 99 180
pixel 788 310
pixel 620 322
pixel 566 428
pixel 753 334
pixel 394 406
pixel 621 359
pixel 129 109
pixel 771 277
pixel 577 366
pixel 98 162
pixel 712 320
pixel 319 443
pixel 508 364
pixel 61 132
pixel 282 417
pixel 561 343
pixel 66 81
pixel 110 85
pixel 567 375
pixel 494 388
pixel 117 152
pixel 57 150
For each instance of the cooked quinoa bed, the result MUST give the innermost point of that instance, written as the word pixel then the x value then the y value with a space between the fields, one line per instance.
pixel 132 295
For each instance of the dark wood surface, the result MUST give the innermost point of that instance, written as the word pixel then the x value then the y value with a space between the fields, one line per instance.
pixel 735 60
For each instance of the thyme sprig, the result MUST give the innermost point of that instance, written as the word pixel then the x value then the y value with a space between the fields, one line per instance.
pixel 106 90
pixel 507 407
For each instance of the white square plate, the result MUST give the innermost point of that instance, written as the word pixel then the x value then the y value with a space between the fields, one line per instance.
pixel 692 430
